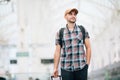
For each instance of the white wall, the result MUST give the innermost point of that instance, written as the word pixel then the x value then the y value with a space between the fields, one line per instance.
pixel 39 21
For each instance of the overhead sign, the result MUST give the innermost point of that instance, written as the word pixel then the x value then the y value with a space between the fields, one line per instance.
pixel 22 54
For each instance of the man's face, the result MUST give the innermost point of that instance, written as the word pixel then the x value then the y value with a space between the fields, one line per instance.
pixel 71 17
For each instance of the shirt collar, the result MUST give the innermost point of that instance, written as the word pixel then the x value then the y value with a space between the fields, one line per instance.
pixel 75 28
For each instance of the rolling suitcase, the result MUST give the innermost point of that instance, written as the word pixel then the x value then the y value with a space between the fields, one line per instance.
pixel 58 78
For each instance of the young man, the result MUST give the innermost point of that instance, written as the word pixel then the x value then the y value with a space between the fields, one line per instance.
pixel 74 59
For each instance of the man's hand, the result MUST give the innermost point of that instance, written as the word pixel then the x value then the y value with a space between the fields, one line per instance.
pixel 55 73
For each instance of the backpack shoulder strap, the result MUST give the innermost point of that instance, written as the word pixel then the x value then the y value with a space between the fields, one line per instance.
pixel 61 35
pixel 83 32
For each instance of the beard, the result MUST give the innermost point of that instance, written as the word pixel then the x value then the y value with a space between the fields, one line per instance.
pixel 72 21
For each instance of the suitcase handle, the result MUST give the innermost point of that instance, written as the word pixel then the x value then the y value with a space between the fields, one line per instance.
pixel 58 76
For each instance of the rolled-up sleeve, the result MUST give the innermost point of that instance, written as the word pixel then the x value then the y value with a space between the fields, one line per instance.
pixel 86 34
pixel 57 39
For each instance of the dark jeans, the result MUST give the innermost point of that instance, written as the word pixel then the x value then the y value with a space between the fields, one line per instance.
pixel 76 75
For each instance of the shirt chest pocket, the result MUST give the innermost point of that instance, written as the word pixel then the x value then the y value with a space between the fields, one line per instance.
pixel 67 40
pixel 77 40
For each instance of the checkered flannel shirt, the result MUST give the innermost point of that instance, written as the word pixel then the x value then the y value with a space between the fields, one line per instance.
pixel 73 56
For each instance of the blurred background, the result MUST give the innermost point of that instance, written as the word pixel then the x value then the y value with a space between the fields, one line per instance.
pixel 27 36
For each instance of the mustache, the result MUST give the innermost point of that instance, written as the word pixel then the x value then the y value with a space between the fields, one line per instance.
pixel 72 21
pixel 73 18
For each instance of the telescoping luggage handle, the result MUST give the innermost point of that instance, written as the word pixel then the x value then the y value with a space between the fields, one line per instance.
pixel 58 76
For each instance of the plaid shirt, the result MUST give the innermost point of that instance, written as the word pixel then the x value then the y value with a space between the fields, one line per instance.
pixel 73 55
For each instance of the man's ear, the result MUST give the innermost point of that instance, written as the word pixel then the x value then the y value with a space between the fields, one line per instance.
pixel 65 16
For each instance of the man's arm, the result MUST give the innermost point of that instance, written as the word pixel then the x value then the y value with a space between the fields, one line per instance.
pixel 56 59
pixel 88 50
